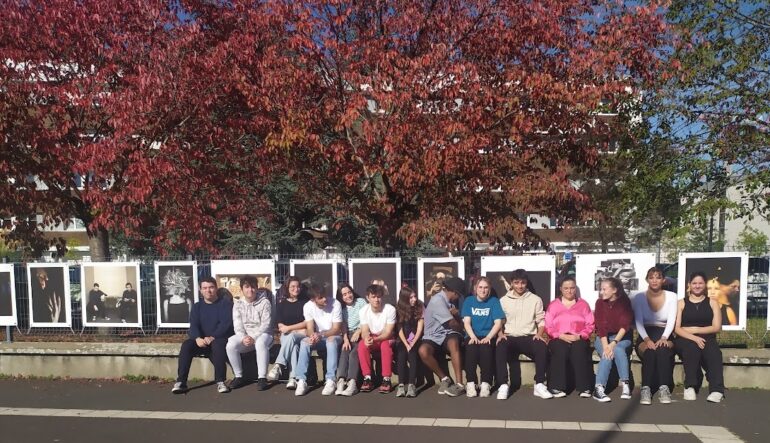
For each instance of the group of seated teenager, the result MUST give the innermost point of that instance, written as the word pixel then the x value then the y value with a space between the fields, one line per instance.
pixel 483 335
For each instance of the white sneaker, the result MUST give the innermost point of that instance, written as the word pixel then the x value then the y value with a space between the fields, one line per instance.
pixel 542 391
pixel 626 393
pixel 715 397
pixel 222 387
pixel 485 390
pixel 275 373
pixel 329 387
pixel 292 383
pixel 351 389
pixel 470 390
pixel 340 386
pixel 690 395
pixel 502 392
pixel 301 388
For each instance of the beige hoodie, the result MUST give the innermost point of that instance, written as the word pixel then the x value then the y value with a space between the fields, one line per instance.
pixel 523 314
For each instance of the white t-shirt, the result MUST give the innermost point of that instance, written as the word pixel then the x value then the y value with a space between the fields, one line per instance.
pixel 377 320
pixel 323 319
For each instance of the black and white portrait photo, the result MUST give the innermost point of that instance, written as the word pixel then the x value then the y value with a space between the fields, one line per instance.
pixel 49 294
pixel 385 272
pixel 110 294
pixel 176 286
pixel 726 282
pixel 7 296
pixel 629 268
pixel 432 271
pixel 322 272
pixel 541 271
pixel 228 274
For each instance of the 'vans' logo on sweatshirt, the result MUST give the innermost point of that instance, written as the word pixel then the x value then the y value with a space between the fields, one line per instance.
pixel 482 312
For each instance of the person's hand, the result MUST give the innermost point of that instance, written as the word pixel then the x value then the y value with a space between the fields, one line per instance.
pixel 538 337
pixel 208 340
pixel 700 341
pixel 650 344
pixel 500 338
pixel 201 342
pixel 368 341
pixel 409 346
pixel 247 341
pixel 454 311
pixel 54 306
pixel 283 329
pixel 473 341
pixel 485 341
pixel 346 345
pixel 356 336
pixel 663 342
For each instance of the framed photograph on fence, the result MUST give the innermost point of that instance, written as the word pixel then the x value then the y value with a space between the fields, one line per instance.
pixel 228 274
pixel 630 269
pixel 7 296
pixel 176 290
pixel 111 294
pixel 363 272
pixel 541 270
pixel 49 295
pixel 432 271
pixel 726 281
pixel 322 272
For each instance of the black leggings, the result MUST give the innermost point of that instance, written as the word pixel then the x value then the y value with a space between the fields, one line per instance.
pixel 657 364
pixel 413 357
pixel 479 355
pixel 579 354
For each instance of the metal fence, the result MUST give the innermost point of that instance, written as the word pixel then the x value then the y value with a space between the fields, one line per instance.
pixel 754 336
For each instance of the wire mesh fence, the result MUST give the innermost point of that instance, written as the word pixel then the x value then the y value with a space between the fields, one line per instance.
pixel 754 336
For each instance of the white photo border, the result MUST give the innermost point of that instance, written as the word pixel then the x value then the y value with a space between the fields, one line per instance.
pixel 159 318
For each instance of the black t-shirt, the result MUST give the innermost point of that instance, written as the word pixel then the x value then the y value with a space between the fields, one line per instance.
pixel 290 313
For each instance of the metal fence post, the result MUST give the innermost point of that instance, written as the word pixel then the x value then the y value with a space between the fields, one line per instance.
pixel 9 334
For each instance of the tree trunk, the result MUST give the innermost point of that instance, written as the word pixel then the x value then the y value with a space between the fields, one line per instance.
pixel 99 243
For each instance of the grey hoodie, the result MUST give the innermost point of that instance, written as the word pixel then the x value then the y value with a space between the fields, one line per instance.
pixel 253 318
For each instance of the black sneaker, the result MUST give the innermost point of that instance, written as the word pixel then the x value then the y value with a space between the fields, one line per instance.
pixel 262 384
pixel 237 383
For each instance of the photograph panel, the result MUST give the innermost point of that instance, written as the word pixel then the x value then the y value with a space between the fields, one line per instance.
pixel 49 295
pixel 176 292
pixel 385 273
pixel 7 296
pixel 111 294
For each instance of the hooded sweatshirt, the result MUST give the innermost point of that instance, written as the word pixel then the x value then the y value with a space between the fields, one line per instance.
pixel 523 313
pixel 252 318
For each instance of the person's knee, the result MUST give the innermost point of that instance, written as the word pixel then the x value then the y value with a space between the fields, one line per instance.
pixel 425 352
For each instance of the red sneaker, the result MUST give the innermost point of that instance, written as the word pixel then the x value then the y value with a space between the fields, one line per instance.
pixel 385 387
pixel 367 385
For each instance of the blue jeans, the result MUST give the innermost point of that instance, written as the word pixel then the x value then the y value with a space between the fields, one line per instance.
pixel 620 356
pixel 289 351
pixel 332 346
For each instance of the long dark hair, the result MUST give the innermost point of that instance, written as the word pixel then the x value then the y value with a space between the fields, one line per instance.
pixel 339 294
pixel 406 313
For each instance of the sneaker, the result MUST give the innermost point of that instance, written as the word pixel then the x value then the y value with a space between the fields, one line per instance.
pixel 444 385
pixel 351 389
pixel 341 384
pixel 690 395
pixel 599 394
pixel 400 391
pixel 179 388
pixel 646 396
pixel 585 394
pixel 291 384
pixel 485 390
pixel 274 373
pixel 626 393
pixel 385 387
pixel 455 390
pixel 715 397
pixel 301 388
pixel 262 384
pixel 542 391
pixel 557 393
pixel 222 387
pixel 470 390
pixel 329 387
pixel 502 392
pixel 411 391
pixel 237 383
pixel 367 385
pixel 664 395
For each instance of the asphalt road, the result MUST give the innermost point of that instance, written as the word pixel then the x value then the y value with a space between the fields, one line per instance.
pixel 744 413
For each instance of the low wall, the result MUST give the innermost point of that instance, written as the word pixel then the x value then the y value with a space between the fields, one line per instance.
pixel 744 368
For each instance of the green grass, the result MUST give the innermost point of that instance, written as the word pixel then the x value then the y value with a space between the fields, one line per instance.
pixel 755 327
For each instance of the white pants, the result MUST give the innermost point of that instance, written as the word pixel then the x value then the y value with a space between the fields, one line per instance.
pixel 235 348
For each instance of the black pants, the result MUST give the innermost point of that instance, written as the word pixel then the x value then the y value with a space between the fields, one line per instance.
pixel 709 358
pixel 657 364
pixel 413 357
pixel 215 352
pixel 508 351
pixel 479 355
pixel 579 355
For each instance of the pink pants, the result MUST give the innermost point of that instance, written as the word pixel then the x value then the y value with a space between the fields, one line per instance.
pixel 386 355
